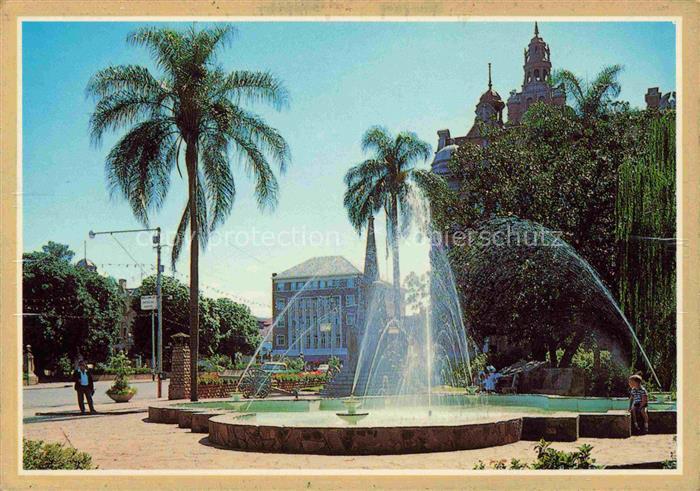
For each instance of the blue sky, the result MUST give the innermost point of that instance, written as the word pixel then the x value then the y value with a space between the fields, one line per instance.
pixel 342 78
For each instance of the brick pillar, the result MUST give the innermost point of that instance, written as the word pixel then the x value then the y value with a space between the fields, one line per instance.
pixel 179 387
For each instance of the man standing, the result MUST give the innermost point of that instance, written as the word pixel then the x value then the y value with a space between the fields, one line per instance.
pixel 84 386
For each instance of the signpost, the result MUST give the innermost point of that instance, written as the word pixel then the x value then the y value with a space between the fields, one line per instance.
pixel 149 302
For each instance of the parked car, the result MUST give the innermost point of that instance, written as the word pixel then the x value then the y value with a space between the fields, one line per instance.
pixel 274 367
pixel 323 368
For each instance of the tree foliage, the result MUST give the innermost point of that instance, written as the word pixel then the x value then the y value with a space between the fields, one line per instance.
pixel 67 310
pixel 384 182
pixel 646 230
pixel 226 327
pixel 602 175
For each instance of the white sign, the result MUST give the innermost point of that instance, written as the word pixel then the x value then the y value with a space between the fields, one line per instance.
pixel 149 302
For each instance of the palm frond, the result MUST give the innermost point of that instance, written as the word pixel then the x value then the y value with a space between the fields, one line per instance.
pixel 257 167
pixel 253 87
pixel 119 109
pixel 220 184
pixel 377 139
pixel 139 166
pixel 166 45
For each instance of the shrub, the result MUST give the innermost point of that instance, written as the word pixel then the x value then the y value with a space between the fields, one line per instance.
pixel 548 458
pixel 121 367
pixel 334 363
pixel 294 364
pixel 64 366
pixel 609 381
pixel 37 455
pixel 216 363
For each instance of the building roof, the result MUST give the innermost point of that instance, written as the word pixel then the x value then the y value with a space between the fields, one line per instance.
pixel 320 267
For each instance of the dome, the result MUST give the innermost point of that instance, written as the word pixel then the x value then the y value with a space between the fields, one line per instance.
pixel 492 97
pixel 442 158
pixel 86 264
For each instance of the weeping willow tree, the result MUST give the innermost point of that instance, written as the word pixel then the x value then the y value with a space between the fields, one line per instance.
pixel 646 229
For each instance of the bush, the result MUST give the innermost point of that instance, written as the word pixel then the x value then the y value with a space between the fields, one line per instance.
pixel 549 458
pixel 294 364
pixel 121 367
pixel 609 381
pixel 216 363
pixel 64 366
pixel 38 455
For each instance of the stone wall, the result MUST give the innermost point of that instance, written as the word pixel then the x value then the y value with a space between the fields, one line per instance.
pixel 554 381
pixel 179 387
pixel 215 391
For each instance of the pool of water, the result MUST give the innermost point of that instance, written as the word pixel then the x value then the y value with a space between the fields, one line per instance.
pixel 532 403
pixel 376 418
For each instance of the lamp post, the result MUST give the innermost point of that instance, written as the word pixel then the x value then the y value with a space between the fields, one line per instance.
pixel 159 296
pixel 327 327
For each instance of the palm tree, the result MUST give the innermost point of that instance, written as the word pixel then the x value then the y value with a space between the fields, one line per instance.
pixel 384 181
pixel 195 108
pixel 592 98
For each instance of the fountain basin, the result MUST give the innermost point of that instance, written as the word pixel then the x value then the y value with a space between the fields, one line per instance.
pixel 352 418
pixel 331 436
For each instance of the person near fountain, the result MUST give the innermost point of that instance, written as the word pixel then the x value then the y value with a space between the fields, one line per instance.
pixel 639 401
pixel 491 380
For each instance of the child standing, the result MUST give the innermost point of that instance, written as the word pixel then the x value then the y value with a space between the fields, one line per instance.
pixel 639 401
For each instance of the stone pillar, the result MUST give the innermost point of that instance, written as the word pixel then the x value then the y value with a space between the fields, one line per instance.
pixel 28 376
pixel 179 387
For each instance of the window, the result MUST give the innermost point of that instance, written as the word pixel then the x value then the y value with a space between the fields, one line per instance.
pixel 351 283
pixel 350 319
pixel 287 286
pixel 537 74
pixel 279 304
pixel 300 285
pixel 349 300
pixel 279 286
pixel 337 339
pixel 280 340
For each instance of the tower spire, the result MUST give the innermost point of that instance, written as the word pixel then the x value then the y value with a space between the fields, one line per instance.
pixel 489 76
pixel 537 31
pixel 371 271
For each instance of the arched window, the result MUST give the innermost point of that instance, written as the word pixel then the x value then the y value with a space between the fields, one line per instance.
pixel 529 76
pixel 545 74
pixel 537 75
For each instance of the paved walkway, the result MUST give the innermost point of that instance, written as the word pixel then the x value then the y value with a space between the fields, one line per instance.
pixel 128 442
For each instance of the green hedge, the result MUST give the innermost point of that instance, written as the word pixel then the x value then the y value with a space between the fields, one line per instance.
pixel 38 455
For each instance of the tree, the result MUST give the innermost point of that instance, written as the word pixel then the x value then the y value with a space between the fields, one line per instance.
pixel 646 229
pixel 591 99
pixel 226 326
pixel 68 311
pixel 385 181
pixel 195 108
pixel 60 251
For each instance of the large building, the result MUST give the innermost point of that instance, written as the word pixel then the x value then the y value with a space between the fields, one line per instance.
pixel 315 304
pixel 537 70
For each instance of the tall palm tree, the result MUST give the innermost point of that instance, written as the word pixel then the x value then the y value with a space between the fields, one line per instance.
pixel 591 98
pixel 193 108
pixel 384 181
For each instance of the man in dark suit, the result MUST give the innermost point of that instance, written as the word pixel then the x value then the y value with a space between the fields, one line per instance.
pixel 84 386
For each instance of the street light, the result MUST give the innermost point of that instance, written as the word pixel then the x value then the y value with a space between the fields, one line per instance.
pixel 159 296
pixel 327 327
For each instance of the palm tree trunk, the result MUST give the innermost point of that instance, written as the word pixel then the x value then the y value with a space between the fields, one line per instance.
pixel 395 256
pixel 191 161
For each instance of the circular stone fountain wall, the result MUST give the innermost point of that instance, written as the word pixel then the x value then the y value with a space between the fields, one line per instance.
pixel 242 432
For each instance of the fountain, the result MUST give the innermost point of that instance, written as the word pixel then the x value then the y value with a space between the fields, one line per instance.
pixel 395 366
pixel 351 415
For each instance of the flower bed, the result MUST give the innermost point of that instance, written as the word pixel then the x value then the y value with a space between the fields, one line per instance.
pixel 299 380
pixel 212 386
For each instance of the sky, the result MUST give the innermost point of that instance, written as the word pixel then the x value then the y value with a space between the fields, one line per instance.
pixel 343 77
